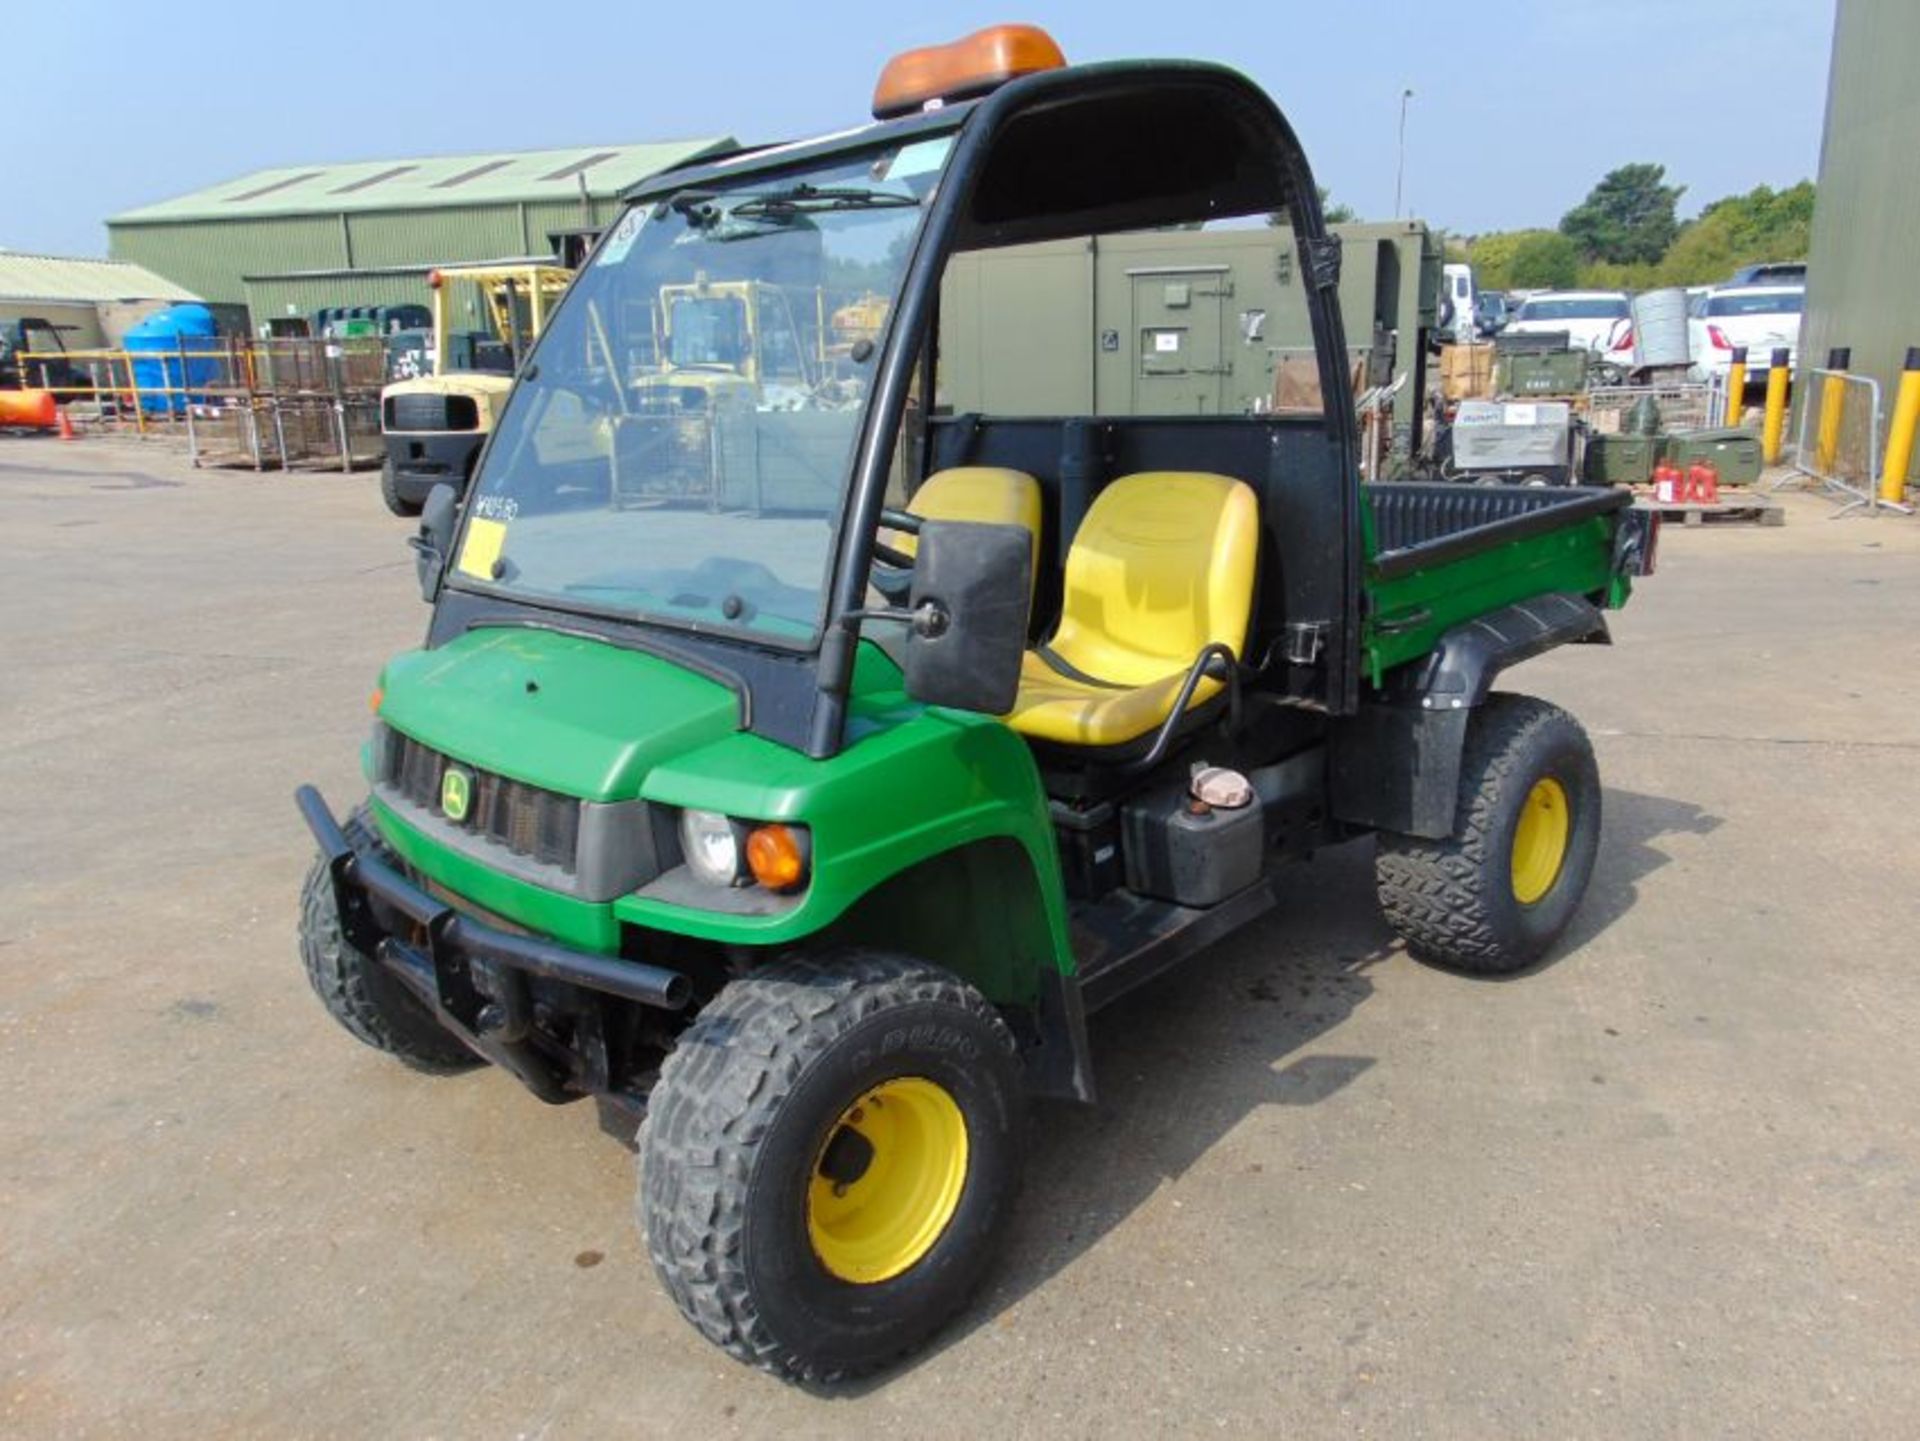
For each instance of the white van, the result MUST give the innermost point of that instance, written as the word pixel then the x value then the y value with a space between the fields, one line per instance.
pixel 1456 290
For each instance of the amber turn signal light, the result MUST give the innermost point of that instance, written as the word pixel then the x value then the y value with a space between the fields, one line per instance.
pixel 777 856
pixel 373 701
pixel 981 62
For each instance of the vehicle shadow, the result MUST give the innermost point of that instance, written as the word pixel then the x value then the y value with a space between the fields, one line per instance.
pixel 1632 825
pixel 1183 1061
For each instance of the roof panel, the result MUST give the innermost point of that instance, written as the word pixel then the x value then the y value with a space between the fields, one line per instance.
pixel 59 277
pixel 367 181
pixel 486 168
pixel 429 182
pixel 269 188
pixel 580 166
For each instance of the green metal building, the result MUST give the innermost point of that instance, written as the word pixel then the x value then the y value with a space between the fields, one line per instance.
pixel 1861 286
pixel 289 240
pixel 1178 322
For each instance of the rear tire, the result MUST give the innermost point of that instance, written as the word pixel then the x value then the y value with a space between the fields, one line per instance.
pixel 768 1098
pixel 370 1003
pixel 1492 897
pixel 390 492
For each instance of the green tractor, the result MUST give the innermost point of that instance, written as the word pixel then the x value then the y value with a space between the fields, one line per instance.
pixel 809 833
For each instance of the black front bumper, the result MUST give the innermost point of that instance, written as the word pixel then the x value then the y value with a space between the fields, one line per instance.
pixel 472 976
pixel 422 460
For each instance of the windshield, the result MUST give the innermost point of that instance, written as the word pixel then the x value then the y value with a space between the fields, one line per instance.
pixel 1765 302
pixel 678 449
pixel 1594 307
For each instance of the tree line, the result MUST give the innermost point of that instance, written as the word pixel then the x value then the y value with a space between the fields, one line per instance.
pixel 1626 235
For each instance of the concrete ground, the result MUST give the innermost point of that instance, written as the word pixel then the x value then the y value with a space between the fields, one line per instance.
pixel 1668 1185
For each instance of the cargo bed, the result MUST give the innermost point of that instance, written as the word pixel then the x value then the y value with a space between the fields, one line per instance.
pixel 1443 553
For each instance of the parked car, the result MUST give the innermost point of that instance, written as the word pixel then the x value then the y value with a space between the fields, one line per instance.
pixel 1763 318
pixel 1593 319
pixel 1490 313
pixel 1771 272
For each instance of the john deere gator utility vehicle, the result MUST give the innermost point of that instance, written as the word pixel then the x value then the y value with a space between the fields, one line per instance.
pixel 812 831
pixel 485 318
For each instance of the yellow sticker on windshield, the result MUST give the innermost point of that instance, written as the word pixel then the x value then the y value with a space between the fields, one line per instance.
pixel 482 547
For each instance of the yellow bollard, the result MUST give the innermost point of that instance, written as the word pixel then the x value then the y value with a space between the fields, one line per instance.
pixel 1736 387
pixel 1833 401
pixel 1906 419
pixel 1776 421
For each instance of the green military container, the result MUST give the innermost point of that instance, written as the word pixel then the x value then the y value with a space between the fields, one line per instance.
pixel 1733 452
pixel 1621 459
pixel 1526 374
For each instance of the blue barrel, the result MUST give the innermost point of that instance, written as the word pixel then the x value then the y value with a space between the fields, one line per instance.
pixel 160 337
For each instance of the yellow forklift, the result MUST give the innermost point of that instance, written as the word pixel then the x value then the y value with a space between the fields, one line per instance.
pixel 721 347
pixel 485 317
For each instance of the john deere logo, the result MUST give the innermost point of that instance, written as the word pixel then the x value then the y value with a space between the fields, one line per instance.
pixel 456 793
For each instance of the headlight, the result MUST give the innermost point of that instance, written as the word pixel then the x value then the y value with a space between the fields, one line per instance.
pixel 711 846
pixel 723 851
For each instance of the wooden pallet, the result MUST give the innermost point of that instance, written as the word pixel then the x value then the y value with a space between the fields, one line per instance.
pixel 1735 507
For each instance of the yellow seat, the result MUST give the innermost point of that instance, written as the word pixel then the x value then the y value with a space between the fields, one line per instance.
pixel 985 494
pixel 1162 566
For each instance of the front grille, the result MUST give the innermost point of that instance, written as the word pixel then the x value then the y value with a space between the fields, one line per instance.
pixel 425 411
pixel 538 824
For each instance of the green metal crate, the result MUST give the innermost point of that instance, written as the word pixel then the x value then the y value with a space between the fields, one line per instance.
pixel 1621 459
pixel 1733 452
pixel 1524 375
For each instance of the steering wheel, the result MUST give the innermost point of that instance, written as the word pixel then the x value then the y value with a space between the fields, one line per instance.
pixel 887 555
pixel 901 520
pixel 892 572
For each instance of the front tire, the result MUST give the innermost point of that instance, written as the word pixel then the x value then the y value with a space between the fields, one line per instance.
pixel 369 1002
pixel 828 1159
pixel 390 492
pixel 1495 895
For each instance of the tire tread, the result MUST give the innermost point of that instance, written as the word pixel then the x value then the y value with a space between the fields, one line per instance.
pixel 1434 892
pixel 718 1090
pixel 344 979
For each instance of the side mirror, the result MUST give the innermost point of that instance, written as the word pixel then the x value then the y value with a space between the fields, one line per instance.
pixel 971 585
pixel 434 542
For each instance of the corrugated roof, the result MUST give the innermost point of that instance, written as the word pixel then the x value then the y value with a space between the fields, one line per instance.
pixel 435 181
pixel 60 277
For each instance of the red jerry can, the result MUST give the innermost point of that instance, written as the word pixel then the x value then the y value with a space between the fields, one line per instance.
pixel 1703 482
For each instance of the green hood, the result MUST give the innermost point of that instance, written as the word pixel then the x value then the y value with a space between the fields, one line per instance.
pixel 560 712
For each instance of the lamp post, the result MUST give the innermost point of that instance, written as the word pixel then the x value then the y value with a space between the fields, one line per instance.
pixel 1400 165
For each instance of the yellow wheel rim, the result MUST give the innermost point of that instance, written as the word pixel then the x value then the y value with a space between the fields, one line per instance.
pixel 887 1180
pixel 1540 840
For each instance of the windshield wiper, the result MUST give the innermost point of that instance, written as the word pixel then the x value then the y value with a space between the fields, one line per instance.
pixel 801 198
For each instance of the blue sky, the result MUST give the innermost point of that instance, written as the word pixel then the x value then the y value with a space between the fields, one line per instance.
pixel 1519 105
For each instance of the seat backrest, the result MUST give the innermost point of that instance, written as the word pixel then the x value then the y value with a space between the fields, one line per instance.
pixel 987 494
pixel 1162 565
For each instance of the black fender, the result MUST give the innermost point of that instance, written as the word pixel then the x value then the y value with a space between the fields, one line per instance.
pixel 1395 763
pixel 1461 669
pixel 978 911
